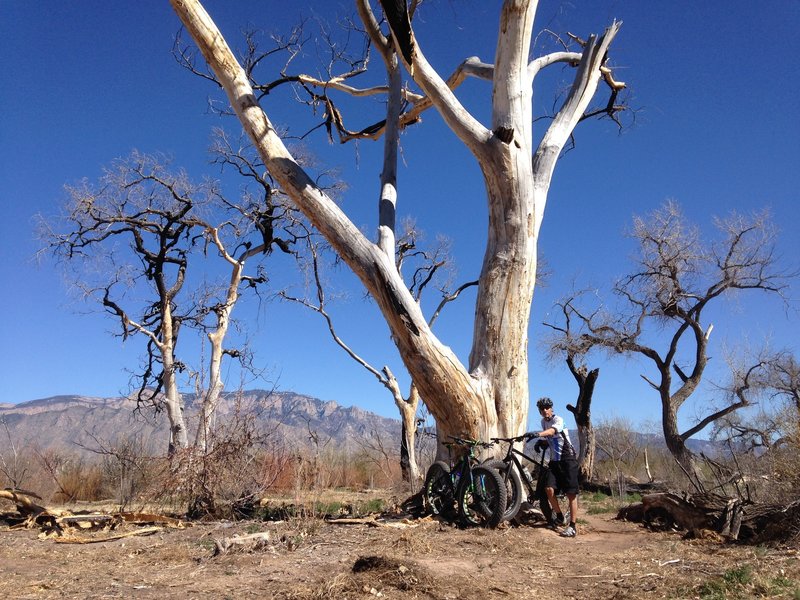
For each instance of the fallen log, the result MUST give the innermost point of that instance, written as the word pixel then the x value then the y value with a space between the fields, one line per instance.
pixel 731 518
pixel 110 538
pixel 25 506
pixel 677 511
pixel 375 522
pixel 92 521
pixel 151 519
pixel 246 543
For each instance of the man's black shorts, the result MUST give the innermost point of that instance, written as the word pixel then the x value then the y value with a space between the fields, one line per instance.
pixel 563 475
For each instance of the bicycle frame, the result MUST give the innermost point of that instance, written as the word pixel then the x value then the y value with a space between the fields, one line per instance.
pixel 535 486
pixel 459 485
pixel 464 464
pixel 512 456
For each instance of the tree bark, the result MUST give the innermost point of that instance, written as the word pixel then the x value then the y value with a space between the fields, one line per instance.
pixel 178 436
pixel 408 451
pixel 217 338
pixel 583 418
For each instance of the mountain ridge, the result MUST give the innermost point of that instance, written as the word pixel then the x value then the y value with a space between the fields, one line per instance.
pixel 80 422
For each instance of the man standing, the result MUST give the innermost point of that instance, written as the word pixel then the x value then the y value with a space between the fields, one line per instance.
pixel 563 465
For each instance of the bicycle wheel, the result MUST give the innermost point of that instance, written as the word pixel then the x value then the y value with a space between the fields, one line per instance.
pixel 439 496
pixel 514 488
pixel 481 497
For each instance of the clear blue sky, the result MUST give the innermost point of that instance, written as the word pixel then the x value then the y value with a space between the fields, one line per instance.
pixel 718 128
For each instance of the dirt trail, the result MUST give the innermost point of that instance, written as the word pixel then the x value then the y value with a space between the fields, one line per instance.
pixel 425 559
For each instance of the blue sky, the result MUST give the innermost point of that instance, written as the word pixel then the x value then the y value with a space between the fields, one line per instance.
pixel 715 86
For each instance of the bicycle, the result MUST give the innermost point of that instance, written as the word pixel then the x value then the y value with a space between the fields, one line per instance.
pixel 475 493
pixel 514 473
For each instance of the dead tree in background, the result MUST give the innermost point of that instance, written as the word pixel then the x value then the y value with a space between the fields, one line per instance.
pixel 259 220
pixel 583 417
pixel 164 220
pixel 139 203
pixel 766 440
pixel 564 343
pixel 426 266
pixel 676 278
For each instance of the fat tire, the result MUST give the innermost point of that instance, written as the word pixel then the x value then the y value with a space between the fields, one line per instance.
pixel 481 497
pixel 515 490
pixel 439 498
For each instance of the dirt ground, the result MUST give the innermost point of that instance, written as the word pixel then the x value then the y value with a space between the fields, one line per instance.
pixel 394 557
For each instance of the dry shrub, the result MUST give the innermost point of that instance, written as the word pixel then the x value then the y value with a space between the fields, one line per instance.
pixel 242 464
pixel 229 479
pixel 74 479
pixel 413 543
pixel 127 467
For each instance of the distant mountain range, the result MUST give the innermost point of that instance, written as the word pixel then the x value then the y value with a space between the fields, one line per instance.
pixel 84 423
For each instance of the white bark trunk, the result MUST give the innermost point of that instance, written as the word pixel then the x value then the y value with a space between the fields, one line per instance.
pixel 217 339
pixel 178 436
pixel 408 414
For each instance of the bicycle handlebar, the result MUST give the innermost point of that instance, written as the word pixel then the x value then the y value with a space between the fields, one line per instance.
pixel 520 438
pixel 463 442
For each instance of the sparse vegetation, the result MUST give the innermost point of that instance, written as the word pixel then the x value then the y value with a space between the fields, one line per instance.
pixel 743 582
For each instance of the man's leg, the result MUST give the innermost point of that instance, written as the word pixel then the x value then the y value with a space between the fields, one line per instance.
pixel 573 507
pixel 570 486
pixel 553 500
pixel 555 519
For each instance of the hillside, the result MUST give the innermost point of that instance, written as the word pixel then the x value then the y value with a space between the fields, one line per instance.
pixel 82 422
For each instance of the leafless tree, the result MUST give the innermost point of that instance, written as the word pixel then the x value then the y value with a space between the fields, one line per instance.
pixel 619 447
pixel 260 219
pixel 676 277
pixel 139 219
pixel 563 343
pixel 490 395
pixel 769 376
pixel 426 264
pixel 139 227
pixel 783 377
pixel 13 465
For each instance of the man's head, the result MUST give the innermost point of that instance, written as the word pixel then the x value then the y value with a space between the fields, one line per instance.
pixel 545 406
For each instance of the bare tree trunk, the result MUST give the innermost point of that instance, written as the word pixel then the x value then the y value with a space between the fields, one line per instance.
pixel 408 452
pixel 173 401
pixel 217 339
pixel 408 413
pixel 671 403
pixel 583 417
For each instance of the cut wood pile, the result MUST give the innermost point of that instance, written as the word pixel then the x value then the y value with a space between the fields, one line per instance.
pixel 707 515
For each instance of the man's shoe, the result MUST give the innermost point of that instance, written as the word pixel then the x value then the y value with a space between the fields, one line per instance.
pixel 569 532
pixel 560 520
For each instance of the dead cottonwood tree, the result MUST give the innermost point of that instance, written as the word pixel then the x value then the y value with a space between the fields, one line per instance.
pixel 489 395
pixel 563 343
pixel 765 435
pixel 675 278
pixel 136 226
pixel 133 239
pixel 425 264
